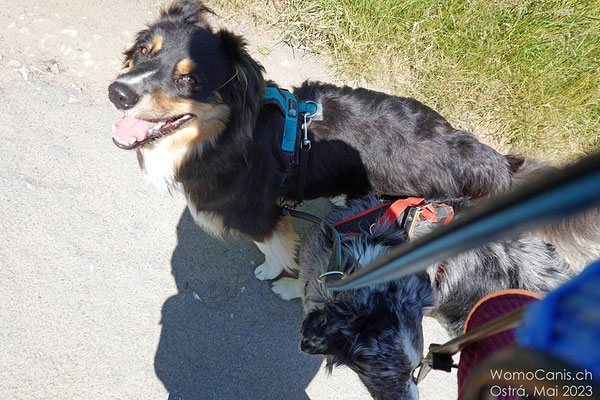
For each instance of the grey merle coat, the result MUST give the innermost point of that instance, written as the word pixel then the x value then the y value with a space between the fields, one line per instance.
pixel 377 330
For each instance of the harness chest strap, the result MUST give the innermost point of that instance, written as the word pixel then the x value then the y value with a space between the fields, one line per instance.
pixel 292 139
pixel 291 108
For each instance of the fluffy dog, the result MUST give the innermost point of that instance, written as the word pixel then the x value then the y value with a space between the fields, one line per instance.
pixel 376 330
pixel 194 110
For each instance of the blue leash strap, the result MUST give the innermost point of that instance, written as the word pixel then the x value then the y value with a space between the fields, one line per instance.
pixel 292 108
pixel 555 195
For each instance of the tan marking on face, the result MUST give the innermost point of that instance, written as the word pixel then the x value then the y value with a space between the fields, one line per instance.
pixel 130 65
pixel 185 66
pixel 157 43
pixel 159 106
pixel 210 120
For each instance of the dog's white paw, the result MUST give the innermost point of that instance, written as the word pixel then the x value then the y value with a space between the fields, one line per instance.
pixel 286 288
pixel 268 270
pixel 338 200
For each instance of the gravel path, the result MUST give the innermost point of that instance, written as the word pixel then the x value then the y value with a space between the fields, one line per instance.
pixel 108 289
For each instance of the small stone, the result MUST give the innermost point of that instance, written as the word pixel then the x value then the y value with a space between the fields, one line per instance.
pixel 71 32
pixel 25 73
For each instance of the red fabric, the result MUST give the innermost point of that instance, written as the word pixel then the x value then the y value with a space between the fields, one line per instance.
pixel 392 213
pixel 370 210
pixel 398 207
pixel 487 309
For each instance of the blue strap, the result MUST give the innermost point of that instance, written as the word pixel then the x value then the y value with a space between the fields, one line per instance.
pixel 309 108
pixel 291 108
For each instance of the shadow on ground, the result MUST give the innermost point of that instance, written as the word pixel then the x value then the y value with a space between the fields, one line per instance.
pixel 225 335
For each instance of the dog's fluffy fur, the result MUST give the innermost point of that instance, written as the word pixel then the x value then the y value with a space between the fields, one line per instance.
pixel 376 330
pixel 220 144
pixel 577 239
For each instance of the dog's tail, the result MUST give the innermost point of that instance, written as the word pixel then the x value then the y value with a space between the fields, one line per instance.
pixel 577 238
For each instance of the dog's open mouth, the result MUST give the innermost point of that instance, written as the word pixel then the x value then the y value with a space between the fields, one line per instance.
pixel 130 133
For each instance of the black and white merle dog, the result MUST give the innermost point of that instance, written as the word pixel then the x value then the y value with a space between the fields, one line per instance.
pixel 377 330
pixel 194 111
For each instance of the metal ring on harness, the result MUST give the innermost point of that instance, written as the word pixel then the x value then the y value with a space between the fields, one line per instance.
pixel 310 115
pixel 331 276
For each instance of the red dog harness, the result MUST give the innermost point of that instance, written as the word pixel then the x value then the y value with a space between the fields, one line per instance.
pixel 405 213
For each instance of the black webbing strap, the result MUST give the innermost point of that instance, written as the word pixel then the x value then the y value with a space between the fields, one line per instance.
pixel 361 222
pixel 334 265
pixel 302 171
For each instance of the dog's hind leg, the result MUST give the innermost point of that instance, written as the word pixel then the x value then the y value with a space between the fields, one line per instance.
pixel 279 250
pixel 286 288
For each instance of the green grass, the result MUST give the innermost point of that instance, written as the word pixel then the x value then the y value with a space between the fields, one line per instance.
pixel 525 74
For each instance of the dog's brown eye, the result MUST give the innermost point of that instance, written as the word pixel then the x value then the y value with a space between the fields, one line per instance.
pixel 144 50
pixel 189 79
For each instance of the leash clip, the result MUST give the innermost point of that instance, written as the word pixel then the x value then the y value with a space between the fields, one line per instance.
pixel 307 121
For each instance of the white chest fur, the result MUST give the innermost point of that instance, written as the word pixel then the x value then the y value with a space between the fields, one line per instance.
pixel 161 163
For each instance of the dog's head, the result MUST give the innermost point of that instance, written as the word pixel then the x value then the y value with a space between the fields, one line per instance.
pixel 376 331
pixel 184 81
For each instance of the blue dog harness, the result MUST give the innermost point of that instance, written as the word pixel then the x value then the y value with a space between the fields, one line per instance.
pixel 295 143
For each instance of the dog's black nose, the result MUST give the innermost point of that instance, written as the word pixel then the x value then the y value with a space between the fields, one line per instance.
pixel 122 96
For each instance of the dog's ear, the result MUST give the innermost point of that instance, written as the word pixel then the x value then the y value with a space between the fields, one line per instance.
pixel 190 11
pixel 330 330
pixel 317 336
pixel 248 85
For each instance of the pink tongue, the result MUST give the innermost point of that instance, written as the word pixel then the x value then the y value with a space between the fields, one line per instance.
pixel 131 128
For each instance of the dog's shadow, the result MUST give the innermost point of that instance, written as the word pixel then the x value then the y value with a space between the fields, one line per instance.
pixel 225 335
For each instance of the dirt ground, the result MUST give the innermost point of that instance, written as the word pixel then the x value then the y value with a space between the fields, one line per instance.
pixel 107 288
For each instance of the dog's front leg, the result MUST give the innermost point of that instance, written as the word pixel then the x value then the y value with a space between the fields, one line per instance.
pixel 287 288
pixel 280 251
